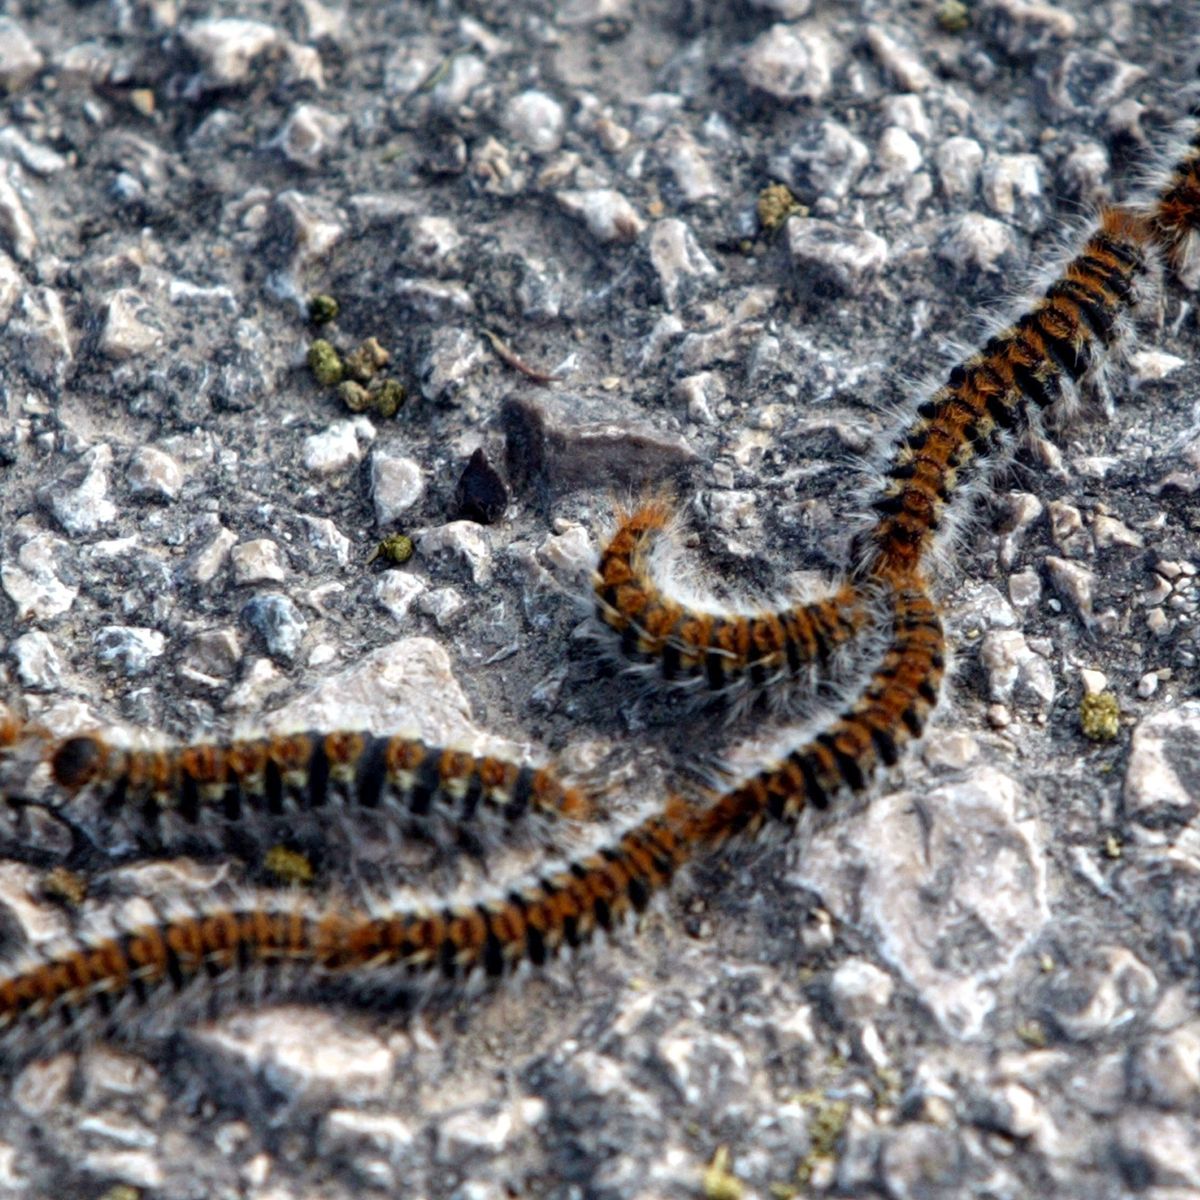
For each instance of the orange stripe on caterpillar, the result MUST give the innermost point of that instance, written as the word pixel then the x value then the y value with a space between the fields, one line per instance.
pixel 889 712
pixel 202 788
pixel 1056 344
pixel 720 651
pixel 1175 212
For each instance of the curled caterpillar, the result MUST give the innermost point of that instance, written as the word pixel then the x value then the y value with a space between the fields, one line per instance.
pixel 690 646
pixel 206 795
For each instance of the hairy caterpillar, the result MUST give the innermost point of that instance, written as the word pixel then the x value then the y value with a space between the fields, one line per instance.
pixel 283 947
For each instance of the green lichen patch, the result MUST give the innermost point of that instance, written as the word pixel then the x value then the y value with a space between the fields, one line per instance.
pixel 1100 716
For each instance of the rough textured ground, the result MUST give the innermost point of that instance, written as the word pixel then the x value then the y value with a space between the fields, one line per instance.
pixel 982 984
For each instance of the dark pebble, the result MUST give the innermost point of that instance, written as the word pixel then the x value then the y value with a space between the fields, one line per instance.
pixel 481 495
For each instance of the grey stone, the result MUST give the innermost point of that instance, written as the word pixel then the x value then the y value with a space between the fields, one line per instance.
pixel 1162 778
pixel 974 242
pixel 823 159
pixel 547 446
pixel 1164 1069
pixel 16 225
pixel 1163 1149
pixel 327 538
pixel 1074 583
pixel 1014 671
pixel 334 449
pixel 959 161
pixel 901 62
pixel 275 618
pixel 431 245
pixel 689 166
pixel 39 327
pixel 79 498
pixel 308 135
pixel 228 50
pixel 152 472
pixel 833 257
pixel 210 558
pixel 130 649
pixel 396 591
pixel 1094 998
pixel 444 604
pixel 859 990
pixel 791 62
pixel 453 358
pixel 1012 188
pixel 464 544
pixel 129 330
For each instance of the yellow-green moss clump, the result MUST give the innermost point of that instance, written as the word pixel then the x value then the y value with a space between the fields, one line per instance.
pixel 954 16
pixel 775 204
pixel 397 548
pixel 324 363
pixel 289 866
pixel 322 309
pixel 1100 716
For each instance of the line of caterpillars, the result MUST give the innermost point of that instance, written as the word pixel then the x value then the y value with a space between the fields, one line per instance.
pixel 986 400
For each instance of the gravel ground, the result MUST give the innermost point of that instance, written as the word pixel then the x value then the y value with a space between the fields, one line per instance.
pixel 981 984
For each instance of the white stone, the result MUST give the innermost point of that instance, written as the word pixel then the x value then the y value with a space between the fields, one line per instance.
pixel 835 254
pixel 20 59
pixel 444 604
pixel 569 554
pixel 32 582
pixel 859 990
pixel 396 485
pixel 228 47
pixel 11 286
pixel 536 121
pixel 1074 584
pixel 333 449
pixel 463 543
pixel 792 62
pixel 899 61
pixel 1109 532
pixel 1014 671
pixel 83 509
pixel 325 536
pixel 1162 779
pixel 1147 685
pixel 1094 682
pixel 153 472
pixel 1009 179
pixel 1147 366
pixel 609 217
pixel 131 648
pixel 690 168
pixel 430 244
pixel 39 666
pixel 976 242
pixel 396 591
pixel 959 160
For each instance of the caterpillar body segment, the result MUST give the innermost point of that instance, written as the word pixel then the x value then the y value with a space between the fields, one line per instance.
pixel 209 793
pixel 723 653
pixel 993 396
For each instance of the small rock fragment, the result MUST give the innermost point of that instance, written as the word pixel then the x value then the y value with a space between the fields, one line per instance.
pixel 308 135
pixel 609 217
pixel 81 505
pixel 126 332
pixel 278 622
pixel 258 561
pixel 20 59
pixel 536 120
pixel 227 48
pixel 974 242
pixel 1162 779
pixel 830 257
pixel 678 260
pixel 332 450
pixel 959 160
pixel 39 328
pixel 152 472
pixel 131 649
pixel 481 495
pixel 396 485
pixel 39 667
pixel 791 62
pixel 461 542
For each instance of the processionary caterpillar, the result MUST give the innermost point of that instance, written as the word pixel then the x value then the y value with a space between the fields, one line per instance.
pixel 285 946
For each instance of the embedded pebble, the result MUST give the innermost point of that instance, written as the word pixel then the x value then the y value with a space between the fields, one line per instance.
pixel 11 285
pixel 823 159
pixel 16 225
pixel 325 536
pixel 444 604
pixel 206 562
pixel 1148 685
pixel 396 485
pixel 32 582
pixel 131 649
pixel 78 499
pixel 902 63
pixel 1073 583
pixel 215 651
pixel 1162 1148
pixel 227 49
pixel 830 257
pixel 1011 187
pixel 396 591
pixel 974 242
pixel 20 59
pixel 453 357
pixel 275 618
pixel 333 449
pixel 791 62
pixel 308 135
pixel 1165 1068
pixel 1024 589
pixel 536 120
pixel 39 327
pixel 921 869
pixel 126 332
pixel 462 543
pixel 1014 671
pixel 154 473
pixel 896 158
pixel 686 161
pixel 959 161
pixel 463 74
pixel 258 561
pixel 677 260
pixel 1095 997
pixel 1148 366
pixel 39 667
pixel 608 215
pixel 859 990
pixel 304 1053
pixel 430 244
pixel 1109 532
pixel 1162 778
